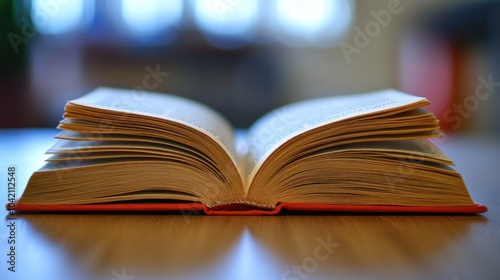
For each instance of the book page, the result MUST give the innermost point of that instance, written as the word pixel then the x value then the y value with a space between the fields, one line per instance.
pixel 277 127
pixel 167 107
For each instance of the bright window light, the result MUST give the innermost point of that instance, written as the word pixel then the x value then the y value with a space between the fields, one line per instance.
pixel 150 17
pixel 60 17
pixel 226 17
pixel 320 22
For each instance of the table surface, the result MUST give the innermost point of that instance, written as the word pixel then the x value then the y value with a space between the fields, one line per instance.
pixel 337 246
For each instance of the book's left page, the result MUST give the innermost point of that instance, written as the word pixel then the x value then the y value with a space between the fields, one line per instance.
pixel 130 146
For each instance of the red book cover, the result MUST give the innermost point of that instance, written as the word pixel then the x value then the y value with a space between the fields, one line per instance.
pixel 243 210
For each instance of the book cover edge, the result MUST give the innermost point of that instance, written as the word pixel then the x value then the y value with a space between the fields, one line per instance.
pixel 197 208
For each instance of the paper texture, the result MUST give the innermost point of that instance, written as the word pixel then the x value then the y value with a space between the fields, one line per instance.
pixel 165 107
pixel 281 125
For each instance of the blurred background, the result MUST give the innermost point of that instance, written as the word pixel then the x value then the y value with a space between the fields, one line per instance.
pixel 246 57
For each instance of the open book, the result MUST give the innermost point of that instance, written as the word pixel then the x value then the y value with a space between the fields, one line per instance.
pixel 126 150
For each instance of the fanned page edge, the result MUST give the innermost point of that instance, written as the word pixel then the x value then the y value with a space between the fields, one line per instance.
pixel 91 97
pixel 400 99
pixel 195 208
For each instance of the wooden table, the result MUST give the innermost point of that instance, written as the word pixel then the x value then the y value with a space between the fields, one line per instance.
pixel 340 246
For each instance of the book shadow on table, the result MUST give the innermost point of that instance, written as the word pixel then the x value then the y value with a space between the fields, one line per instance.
pixel 145 245
pixel 160 244
pixel 354 242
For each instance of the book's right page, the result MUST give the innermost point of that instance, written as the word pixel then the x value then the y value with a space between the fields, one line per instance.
pixel 366 150
pixel 279 126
